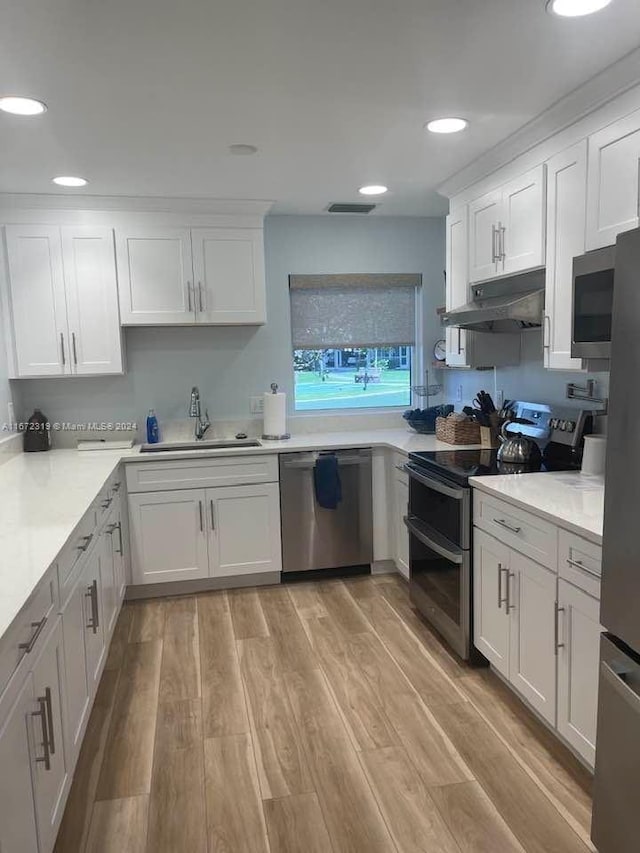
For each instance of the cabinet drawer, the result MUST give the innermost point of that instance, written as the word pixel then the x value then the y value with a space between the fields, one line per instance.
pixel 29 627
pixel 517 528
pixel 580 562
pixel 201 473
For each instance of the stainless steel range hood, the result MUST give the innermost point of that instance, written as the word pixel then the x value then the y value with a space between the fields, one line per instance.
pixel 502 305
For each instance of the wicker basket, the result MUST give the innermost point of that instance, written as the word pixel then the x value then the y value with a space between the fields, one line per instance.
pixel 457 432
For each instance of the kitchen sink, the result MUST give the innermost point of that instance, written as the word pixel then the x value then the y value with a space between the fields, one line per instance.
pixel 173 446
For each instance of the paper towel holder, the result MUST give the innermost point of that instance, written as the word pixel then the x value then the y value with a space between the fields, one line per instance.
pixel 285 435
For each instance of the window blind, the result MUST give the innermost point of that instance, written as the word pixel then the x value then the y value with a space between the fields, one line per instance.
pixel 334 311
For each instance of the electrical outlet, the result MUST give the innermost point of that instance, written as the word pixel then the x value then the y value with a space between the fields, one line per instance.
pixel 257 405
pixel 459 394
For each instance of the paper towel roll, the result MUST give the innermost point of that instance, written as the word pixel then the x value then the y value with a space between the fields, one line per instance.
pixel 275 415
pixel 593 458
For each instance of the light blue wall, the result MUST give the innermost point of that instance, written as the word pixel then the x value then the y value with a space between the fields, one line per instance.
pixel 231 364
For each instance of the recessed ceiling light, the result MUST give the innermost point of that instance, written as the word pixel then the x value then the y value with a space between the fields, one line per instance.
pixel 575 8
pixel 373 189
pixel 70 181
pixel 242 150
pixel 447 125
pixel 21 106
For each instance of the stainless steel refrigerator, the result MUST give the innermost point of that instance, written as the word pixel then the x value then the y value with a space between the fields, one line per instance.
pixel 616 810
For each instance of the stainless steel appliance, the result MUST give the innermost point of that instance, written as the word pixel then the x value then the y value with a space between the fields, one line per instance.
pixel 502 305
pixel 317 538
pixel 439 518
pixel 592 303
pixel 617 771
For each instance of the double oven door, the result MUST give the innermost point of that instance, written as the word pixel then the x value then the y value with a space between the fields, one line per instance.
pixel 439 524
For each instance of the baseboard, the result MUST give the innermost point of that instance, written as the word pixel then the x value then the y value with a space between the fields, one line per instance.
pixel 158 590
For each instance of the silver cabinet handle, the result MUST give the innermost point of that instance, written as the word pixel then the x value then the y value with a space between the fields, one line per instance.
pixel 580 565
pixel 501 600
pixel 189 303
pixel 92 595
pixel 200 305
pixel 106 503
pixel 86 541
pixel 509 605
pixel 64 358
pixel 494 244
pixel 119 527
pixel 506 525
pixel 556 628
pixel 459 341
pixel 34 637
pixel 201 517
pixel 43 713
pixel 116 486
pixel 49 707
pixel 73 347
pixel 213 518
pixel 502 255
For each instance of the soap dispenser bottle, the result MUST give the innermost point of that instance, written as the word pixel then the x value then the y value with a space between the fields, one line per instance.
pixel 153 430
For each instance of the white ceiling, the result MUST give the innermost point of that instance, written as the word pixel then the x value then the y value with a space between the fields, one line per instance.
pixel 145 96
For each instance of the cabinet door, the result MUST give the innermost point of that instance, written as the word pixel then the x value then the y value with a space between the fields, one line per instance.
pixel 92 300
pixel 50 773
pixel 244 530
pixel 531 597
pixel 155 274
pixel 457 286
pixel 490 616
pixel 484 215
pixel 612 195
pixel 78 698
pixel 18 832
pixel 94 640
pixel 566 212
pixel 229 275
pixel 578 667
pixel 168 533
pixel 38 307
pixel 401 533
pixel 523 223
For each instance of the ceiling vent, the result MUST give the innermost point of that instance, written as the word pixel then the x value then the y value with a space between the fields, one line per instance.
pixel 350 207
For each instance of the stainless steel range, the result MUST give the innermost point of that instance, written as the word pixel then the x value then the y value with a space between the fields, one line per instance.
pixel 440 519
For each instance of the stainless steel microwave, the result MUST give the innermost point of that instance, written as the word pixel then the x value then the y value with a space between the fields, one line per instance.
pixel 592 303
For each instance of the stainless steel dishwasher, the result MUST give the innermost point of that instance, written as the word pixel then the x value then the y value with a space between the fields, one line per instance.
pixel 318 538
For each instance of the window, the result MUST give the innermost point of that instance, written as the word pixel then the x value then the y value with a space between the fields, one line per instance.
pixel 353 338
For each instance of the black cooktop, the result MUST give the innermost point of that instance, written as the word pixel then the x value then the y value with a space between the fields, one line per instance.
pixel 459 465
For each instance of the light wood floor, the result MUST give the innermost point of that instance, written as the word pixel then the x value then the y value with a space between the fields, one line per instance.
pixel 313 717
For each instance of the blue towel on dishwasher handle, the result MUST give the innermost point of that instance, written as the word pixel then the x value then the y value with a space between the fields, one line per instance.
pixel 326 479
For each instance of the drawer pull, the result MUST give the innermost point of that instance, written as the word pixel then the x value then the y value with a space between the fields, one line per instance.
pixel 46 720
pixel 92 595
pixel 34 637
pixel 506 525
pixel 578 564
pixel 556 628
pixel 401 468
pixel 116 486
pixel 106 503
pixel 213 517
pixel 86 541
pixel 501 600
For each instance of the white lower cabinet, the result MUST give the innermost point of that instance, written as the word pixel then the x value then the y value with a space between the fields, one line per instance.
pixel 50 767
pixel 490 616
pixel 168 536
pixel 401 496
pixel 531 601
pixel 244 530
pixel 578 662
pixel 197 533
pixel 78 702
pixel 18 832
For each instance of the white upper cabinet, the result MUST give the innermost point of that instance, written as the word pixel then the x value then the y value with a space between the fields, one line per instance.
pixel 484 216
pixel 457 285
pixel 62 301
pixel 229 275
pixel 522 228
pixel 566 212
pixel 613 192
pixel 178 276
pixel 38 305
pixel 155 272
pixel 507 228
pixel 92 300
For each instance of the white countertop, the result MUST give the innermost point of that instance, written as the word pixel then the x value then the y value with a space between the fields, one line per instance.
pixel 569 499
pixel 43 497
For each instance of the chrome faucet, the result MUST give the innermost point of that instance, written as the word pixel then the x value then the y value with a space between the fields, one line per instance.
pixel 201 426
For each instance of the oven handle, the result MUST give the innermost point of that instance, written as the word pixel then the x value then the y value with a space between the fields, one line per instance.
pixel 436 485
pixel 447 553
